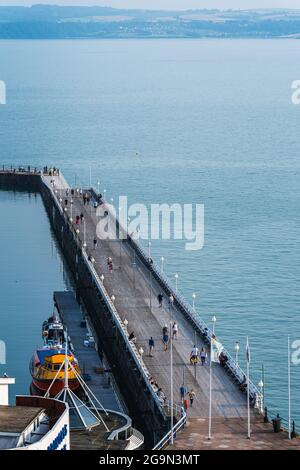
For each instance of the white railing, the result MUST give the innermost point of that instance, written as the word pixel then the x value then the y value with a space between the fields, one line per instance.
pixel 181 423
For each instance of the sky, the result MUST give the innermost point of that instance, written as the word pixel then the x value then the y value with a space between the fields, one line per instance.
pixel 167 4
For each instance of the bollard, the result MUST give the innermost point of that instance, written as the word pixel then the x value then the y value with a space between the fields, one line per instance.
pixel 266 419
pixel 293 433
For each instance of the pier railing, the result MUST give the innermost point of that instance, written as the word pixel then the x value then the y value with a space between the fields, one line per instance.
pixel 180 424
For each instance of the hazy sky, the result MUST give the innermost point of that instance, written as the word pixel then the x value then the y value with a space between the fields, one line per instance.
pixel 167 4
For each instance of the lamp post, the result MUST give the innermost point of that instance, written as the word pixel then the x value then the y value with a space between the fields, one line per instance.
pixel 176 281
pixel 261 387
pixel 102 278
pixel 71 218
pixel 113 299
pixel 98 187
pixel 237 349
pixel 84 234
pixel 214 321
pixel 150 274
pixel 104 193
pixel 194 299
pixel 171 302
pixel 162 260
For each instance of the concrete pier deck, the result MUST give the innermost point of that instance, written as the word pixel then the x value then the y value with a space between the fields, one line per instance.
pixel 131 288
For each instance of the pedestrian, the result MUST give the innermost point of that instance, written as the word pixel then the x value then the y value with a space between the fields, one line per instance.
pixel 72 192
pixel 81 217
pixel 132 337
pixel 77 219
pixel 194 355
pixel 186 405
pixel 67 192
pixel 203 356
pixel 66 202
pixel 175 330
pixel 110 264
pixel 151 346
pixel 182 392
pixel 84 199
pixel 160 300
pixel 95 243
pixel 165 337
pixel 171 299
pixel 88 200
pixel 192 396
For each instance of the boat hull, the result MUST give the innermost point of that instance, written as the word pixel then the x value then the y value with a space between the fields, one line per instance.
pixel 41 386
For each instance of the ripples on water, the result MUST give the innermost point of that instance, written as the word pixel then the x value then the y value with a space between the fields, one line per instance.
pixel 181 121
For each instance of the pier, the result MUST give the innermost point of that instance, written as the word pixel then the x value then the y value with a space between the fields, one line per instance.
pixel 124 300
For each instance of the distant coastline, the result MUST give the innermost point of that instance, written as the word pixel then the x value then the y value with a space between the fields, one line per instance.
pixel 54 22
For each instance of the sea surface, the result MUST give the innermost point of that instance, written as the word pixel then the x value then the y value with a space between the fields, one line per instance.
pixel 164 121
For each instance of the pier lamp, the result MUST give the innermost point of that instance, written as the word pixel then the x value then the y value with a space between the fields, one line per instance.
pixel 98 186
pixel 113 299
pixel 149 249
pixel 214 321
pixel 162 260
pixel 77 231
pixel 194 298
pixel 176 281
pixel 102 278
pixel 112 200
pixel 65 209
pixel 261 387
pixel 125 323
pixel 237 349
pixel 92 260
pixel 60 200
pixel 104 192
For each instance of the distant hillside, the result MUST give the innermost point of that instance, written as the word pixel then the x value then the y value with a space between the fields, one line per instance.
pixel 53 22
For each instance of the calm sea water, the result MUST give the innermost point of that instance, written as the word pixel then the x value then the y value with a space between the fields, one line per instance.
pixel 166 121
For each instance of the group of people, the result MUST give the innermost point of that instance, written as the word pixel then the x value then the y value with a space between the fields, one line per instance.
pixel 196 354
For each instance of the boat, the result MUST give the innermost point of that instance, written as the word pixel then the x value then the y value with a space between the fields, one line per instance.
pixel 47 367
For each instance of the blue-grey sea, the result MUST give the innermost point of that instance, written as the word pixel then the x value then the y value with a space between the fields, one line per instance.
pixel 187 121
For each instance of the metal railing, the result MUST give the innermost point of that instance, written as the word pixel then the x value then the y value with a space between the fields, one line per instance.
pixel 181 423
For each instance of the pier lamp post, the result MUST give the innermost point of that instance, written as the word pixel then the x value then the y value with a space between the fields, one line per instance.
pixel 261 388
pixel 98 187
pixel 84 234
pixel 102 278
pixel 194 299
pixel 125 323
pixel 77 231
pixel 112 200
pixel 104 193
pixel 150 274
pixel 71 218
pixel 113 299
pixel 214 321
pixel 171 303
pixel 237 349
pixel 162 261
pixel 176 281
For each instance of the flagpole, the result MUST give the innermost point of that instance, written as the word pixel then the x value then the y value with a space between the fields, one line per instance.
pixel 210 390
pixel 248 391
pixel 289 384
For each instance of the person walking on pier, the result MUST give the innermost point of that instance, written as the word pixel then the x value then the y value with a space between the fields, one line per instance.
pixel 95 243
pixel 77 220
pixel 151 346
pixel 192 396
pixel 175 330
pixel 81 217
pixel 165 337
pixel 84 199
pixel 203 356
pixel 182 391
pixel 110 265
pixel 194 355
pixel 160 300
